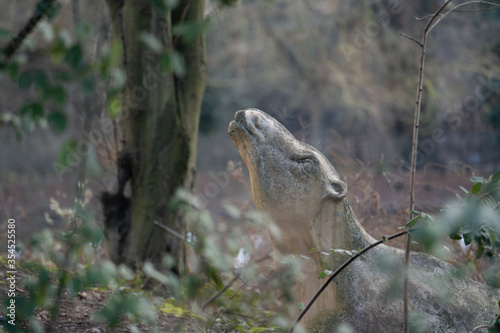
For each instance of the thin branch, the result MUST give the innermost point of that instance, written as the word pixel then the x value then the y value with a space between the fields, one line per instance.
pixel 43 7
pixel 406 283
pixel 223 290
pixel 411 38
pixel 416 124
pixel 492 6
pixel 170 230
pixel 182 19
pixel 436 14
pixel 459 6
pixel 478 327
pixel 435 19
pixel 337 272
pixel 424 17
pixel 228 300
pixel 230 283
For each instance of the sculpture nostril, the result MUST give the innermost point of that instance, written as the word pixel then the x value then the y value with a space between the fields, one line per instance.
pixel 240 116
pixel 256 122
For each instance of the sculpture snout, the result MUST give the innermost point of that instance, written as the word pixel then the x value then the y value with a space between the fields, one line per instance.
pixel 251 119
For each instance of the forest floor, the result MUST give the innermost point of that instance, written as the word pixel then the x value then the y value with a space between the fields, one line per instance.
pixel 76 315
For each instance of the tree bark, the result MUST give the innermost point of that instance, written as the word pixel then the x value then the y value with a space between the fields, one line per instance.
pixel 159 132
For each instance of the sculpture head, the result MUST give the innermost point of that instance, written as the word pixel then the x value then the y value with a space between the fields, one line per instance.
pixel 290 180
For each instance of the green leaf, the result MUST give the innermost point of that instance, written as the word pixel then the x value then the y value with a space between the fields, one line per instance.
pixel 494 179
pixel 173 62
pixel 25 79
pixel 68 156
pixel 41 80
pixel 493 238
pixel 178 64
pixel 464 189
pixel 322 275
pixel 192 29
pixel 50 9
pixel 384 239
pixel 214 277
pixel 118 80
pixel 32 110
pixel 57 94
pixel 58 121
pixel 151 42
pixel 191 286
pixel 63 76
pixel 74 286
pixel 114 107
pixel 478 180
pixel 74 56
pixel 58 50
pixel 13 69
pixel 115 53
pixel 46 30
pixel 412 222
pixel 480 250
pixel 467 238
pixel 301 306
pixel 476 188
pixel 232 210
pixel 163 5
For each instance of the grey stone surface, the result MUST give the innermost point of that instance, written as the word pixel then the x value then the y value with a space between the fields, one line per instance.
pixel 302 192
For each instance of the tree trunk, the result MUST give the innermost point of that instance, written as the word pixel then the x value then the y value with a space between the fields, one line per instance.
pixel 159 127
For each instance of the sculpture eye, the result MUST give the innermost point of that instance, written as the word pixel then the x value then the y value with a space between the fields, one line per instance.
pixel 307 166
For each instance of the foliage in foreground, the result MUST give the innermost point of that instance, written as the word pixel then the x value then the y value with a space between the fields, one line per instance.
pixel 224 287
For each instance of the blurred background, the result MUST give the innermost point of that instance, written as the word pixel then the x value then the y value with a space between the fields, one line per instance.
pixel 339 75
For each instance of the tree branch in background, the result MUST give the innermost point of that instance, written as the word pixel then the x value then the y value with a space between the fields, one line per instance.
pixel 43 8
pixel 340 269
pixel 434 20
pixel 414 146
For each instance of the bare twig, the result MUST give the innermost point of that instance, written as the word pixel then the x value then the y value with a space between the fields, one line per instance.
pixel 170 230
pixel 411 38
pixel 416 124
pixel 230 283
pixel 424 17
pixel 42 9
pixel 337 272
pixel 222 291
pixel 181 20
pixel 454 9
pixel 434 20
pixel 228 300
pixel 478 327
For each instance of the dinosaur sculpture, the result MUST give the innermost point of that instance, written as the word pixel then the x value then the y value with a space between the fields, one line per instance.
pixel 301 191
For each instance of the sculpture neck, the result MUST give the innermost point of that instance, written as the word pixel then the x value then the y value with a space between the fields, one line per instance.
pixel 336 226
